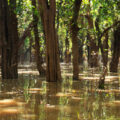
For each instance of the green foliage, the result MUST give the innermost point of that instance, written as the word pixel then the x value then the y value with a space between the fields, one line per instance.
pixel 108 11
pixel 24 14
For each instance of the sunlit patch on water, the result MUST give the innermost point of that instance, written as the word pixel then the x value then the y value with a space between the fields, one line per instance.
pixel 115 103
pixel 64 95
pixel 109 91
pixel 28 72
pixel 28 116
pixel 77 98
pixel 9 111
pixel 8 102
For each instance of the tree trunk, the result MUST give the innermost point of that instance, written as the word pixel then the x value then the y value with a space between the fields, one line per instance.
pixel 74 32
pixel 92 48
pixel 38 54
pixel 48 14
pixel 67 52
pixel 2 23
pixel 105 51
pixel 93 60
pixel 30 44
pixel 80 58
pixel 116 51
pixel 61 51
pixel 102 78
pixel 10 37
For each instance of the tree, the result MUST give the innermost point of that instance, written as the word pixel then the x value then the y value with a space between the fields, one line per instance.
pixel 92 47
pixel 74 32
pixel 38 54
pixel 9 34
pixel 105 18
pixel 48 13
pixel 116 50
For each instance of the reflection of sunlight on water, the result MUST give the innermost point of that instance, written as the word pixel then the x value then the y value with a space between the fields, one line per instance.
pixel 32 72
pixel 9 111
pixel 11 108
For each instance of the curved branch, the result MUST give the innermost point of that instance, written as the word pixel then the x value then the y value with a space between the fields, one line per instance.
pixel 107 29
pixel 26 33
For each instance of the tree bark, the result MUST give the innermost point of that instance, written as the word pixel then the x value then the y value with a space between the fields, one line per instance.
pixel 48 13
pixel 74 32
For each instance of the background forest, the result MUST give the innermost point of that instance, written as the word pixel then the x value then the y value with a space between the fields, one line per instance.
pixel 77 31
pixel 59 59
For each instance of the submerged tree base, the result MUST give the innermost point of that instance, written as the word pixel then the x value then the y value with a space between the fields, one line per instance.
pixel 102 78
pixel 75 78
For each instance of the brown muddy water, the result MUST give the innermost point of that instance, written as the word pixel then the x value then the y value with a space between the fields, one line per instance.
pixel 32 98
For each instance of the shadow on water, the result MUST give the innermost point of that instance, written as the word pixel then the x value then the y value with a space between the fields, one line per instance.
pixel 32 98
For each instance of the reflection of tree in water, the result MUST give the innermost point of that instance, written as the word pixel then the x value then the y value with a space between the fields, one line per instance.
pixel 52 101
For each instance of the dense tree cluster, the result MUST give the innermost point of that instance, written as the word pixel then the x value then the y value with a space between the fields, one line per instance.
pixel 54 31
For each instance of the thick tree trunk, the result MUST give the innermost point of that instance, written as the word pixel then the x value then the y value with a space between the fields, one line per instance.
pixel 52 53
pixel 74 32
pixel 75 52
pixel 10 37
pixel 38 54
pixel 2 23
pixel 116 51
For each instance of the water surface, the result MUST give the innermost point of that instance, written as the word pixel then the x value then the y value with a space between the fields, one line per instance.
pixel 32 98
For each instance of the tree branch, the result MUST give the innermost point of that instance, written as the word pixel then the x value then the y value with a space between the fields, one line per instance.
pixel 26 33
pixel 107 29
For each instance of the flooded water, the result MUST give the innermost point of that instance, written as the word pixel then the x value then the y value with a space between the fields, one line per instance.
pixel 32 98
